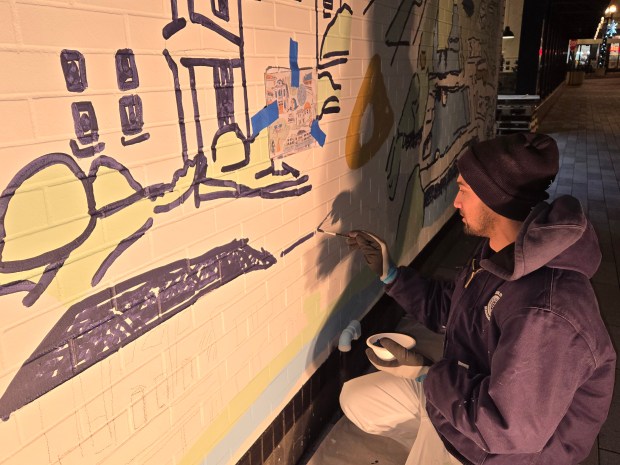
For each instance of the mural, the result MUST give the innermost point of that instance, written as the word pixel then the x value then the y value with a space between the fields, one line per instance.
pixel 178 172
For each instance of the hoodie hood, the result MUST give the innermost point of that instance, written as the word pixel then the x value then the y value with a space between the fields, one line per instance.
pixel 556 235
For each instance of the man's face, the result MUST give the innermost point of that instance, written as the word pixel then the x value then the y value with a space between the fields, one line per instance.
pixel 479 219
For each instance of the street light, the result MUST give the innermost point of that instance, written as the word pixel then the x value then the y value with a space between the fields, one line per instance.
pixel 507 34
pixel 603 55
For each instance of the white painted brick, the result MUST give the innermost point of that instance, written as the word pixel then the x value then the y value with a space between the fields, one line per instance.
pixel 63 438
pixel 153 7
pixel 10 439
pixel 70 28
pixel 7 32
pixel 32 72
pixel 35 451
pixel 16 122
pixel 258 14
pixel 237 313
pixel 141 440
pixel 279 43
pixel 326 192
pixel 74 456
pixel 184 405
pixel 270 220
pixel 145 33
pixel 21 339
pixel 294 17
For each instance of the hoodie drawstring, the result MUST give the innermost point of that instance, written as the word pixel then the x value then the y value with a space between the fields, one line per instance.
pixel 474 272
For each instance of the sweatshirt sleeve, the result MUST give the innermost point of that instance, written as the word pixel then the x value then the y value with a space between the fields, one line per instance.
pixel 428 301
pixel 538 365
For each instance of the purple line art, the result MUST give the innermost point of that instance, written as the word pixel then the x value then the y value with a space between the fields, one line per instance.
pixel 328 6
pixel 327 59
pixel 205 21
pixel 130 110
pixel 52 259
pixel 447 60
pixel 370 2
pixel 126 71
pixel 120 248
pixel 408 134
pixel 227 73
pixel 223 71
pixel 135 140
pixel 101 324
pixel 174 69
pixel 74 70
pixel 86 130
pixel 220 9
pixel 176 24
pixel 297 243
pixel 399 24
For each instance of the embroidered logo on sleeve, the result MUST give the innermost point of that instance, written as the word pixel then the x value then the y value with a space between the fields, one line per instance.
pixel 488 308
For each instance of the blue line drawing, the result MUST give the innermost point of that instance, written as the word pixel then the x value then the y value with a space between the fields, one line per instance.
pixel 101 324
pixel 399 25
pixel 328 58
pixel 297 243
pixel 126 72
pixel 74 69
pixel 86 130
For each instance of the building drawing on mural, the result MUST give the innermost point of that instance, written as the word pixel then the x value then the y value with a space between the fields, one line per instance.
pixel 52 261
pixel 411 96
pixel 333 50
pixel 100 325
pixel 438 116
pixel 291 132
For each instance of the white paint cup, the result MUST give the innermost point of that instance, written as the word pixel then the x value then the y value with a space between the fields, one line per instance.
pixel 403 339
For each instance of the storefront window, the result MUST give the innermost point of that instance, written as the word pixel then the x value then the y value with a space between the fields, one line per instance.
pixel 613 56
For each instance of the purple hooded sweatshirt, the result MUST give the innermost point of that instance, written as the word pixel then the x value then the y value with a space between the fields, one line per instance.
pixel 528 368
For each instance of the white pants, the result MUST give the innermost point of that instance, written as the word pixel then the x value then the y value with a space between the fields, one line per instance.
pixel 380 403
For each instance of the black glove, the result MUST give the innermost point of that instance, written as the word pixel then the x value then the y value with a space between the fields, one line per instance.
pixel 407 363
pixel 375 253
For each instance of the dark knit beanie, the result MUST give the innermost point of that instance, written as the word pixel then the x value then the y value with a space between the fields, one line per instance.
pixel 511 173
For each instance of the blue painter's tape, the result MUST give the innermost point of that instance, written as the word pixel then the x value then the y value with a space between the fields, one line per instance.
pixel 318 133
pixel 264 117
pixel 293 52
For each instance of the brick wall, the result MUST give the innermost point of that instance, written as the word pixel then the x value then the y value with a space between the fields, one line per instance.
pixel 165 292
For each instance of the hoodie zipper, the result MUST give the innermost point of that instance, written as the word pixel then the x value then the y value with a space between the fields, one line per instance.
pixel 474 272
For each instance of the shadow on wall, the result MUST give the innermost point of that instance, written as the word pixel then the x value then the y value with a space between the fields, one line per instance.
pixel 401 148
pixel 387 197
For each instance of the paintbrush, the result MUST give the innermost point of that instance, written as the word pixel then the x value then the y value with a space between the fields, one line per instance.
pixel 331 233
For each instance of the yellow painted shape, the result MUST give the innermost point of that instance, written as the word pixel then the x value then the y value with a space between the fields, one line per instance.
pixel 372 93
pixel 325 90
pixel 339 37
pixel 75 277
pixel 40 219
pixel 110 186
pixel 49 210
pixel 230 151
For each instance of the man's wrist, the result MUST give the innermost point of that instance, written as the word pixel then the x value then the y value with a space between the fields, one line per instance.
pixel 391 275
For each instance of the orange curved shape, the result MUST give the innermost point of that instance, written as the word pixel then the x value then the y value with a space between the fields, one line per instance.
pixel 372 92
